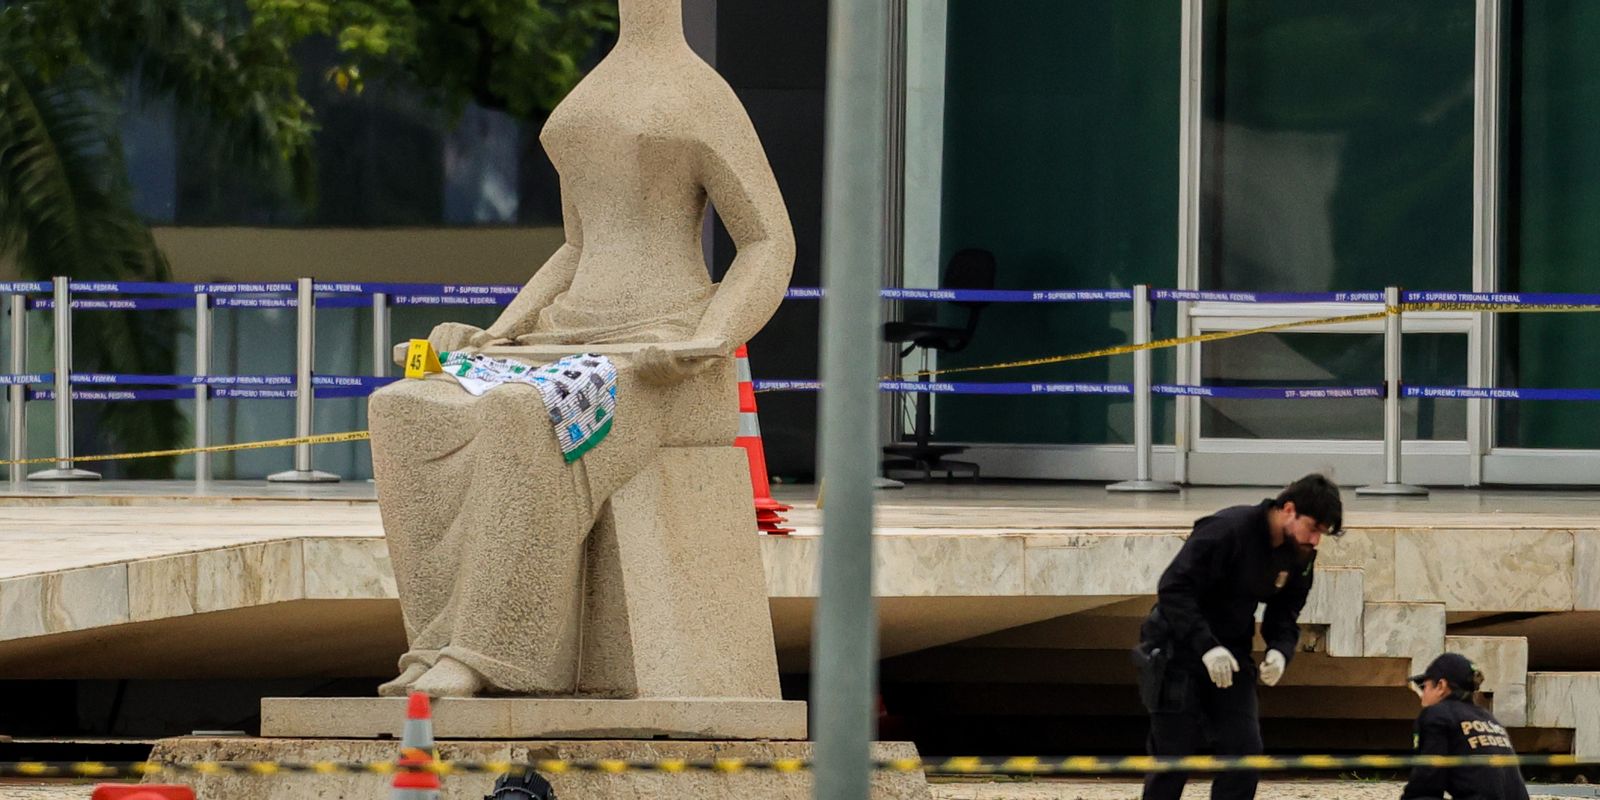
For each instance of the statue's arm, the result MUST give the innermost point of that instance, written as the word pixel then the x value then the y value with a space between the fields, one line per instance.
pixel 552 279
pixel 733 169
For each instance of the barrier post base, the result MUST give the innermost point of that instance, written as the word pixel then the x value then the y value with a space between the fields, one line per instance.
pixel 1147 487
pixel 303 476
pixel 64 475
pixel 1392 490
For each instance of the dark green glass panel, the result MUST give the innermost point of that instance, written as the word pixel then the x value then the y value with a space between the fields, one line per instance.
pixel 1552 217
pixel 1337 145
pixel 1061 157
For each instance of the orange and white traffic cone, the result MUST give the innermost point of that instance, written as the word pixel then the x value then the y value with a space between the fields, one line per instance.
pixel 134 791
pixel 768 518
pixel 415 777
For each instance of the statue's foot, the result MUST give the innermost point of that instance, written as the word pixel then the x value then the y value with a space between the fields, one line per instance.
pixel 449 678
pixel 401 686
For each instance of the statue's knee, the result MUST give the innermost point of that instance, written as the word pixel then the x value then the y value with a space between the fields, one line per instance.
pixel 408 403
pixel 512 406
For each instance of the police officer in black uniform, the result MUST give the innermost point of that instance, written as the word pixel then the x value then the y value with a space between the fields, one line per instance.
pixel 1451 724
pixel 1195 673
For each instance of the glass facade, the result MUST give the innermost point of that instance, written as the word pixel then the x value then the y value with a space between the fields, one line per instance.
pixel 1336 147
pixel 1336 154
pixel 1551 185
pixel 1060 157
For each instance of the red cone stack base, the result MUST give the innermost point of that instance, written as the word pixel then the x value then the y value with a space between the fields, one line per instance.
pixel 134 791
pixel 769 520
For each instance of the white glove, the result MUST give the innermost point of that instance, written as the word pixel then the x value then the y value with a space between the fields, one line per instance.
pixel 1272 668
pixel 1221 664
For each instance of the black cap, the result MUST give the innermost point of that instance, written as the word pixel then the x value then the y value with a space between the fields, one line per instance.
pixel 1452 668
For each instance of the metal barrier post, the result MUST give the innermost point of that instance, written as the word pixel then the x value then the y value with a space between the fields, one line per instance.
pixel 305 354
pixel 202 391
pixel 17 393
pixel 1143 433
pixel 381 352
pixel 1392 486
pixel 64 471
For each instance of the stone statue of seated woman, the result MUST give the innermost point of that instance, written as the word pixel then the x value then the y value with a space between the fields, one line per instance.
pixel 487 524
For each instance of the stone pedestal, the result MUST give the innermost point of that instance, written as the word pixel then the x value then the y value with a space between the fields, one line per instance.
pixel 571 785
pixel 537 718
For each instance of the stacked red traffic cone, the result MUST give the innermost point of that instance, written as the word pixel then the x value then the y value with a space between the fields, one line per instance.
pixel 415 777
pixel 124 791
pixel 768 518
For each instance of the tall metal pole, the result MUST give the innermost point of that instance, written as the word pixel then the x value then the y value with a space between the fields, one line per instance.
pixel 305 356
pixel 1392 486
pixel 844 655
pixel 62 314
pixel 202 392
pixel 1143 428
pixel 17 393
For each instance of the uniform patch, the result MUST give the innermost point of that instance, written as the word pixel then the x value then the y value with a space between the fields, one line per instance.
pixel 1281 580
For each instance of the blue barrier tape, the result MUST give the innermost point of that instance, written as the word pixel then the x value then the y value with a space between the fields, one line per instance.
pixel 24 287
pixel 947 387
pixel 368 382
pixel 1231 392
pixel 365 301
pixel 103 379
pixel 245 288
pixel 984 295
pixel 254 302
pixel 131 287
pixel 122 304
pixel 26 378
pixel 168 288
pixel 250 393
pixel 1503 298
pixel 115 395
pixel 497 290
pixel 448 300
pixel 1269 393
pixel 1266 297
pixel 1470 392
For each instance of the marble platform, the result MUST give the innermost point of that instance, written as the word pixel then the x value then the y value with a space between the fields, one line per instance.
pixel 571 785
pixel 538 718
pixel 236 582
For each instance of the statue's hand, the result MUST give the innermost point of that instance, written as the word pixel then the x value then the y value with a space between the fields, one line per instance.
pixel 659 367
pixel 450 337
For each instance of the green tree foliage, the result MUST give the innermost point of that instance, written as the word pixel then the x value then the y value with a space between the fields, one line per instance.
pixel 65 67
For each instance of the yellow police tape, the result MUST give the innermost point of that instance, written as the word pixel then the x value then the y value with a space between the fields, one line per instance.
pixel 1157 344
pixel 321 438
pixel 966 765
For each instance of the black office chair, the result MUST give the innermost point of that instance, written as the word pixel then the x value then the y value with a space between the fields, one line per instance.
pixel 968 269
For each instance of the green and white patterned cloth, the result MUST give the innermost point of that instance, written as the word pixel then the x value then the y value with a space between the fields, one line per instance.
pixel 579 392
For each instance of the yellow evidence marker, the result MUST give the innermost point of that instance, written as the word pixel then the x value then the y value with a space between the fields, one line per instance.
pixel 421 360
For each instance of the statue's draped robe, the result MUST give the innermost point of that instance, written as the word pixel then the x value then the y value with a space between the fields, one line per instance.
pixel 486 523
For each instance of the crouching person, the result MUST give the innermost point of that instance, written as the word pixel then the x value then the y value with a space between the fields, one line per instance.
pixel 1451 724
